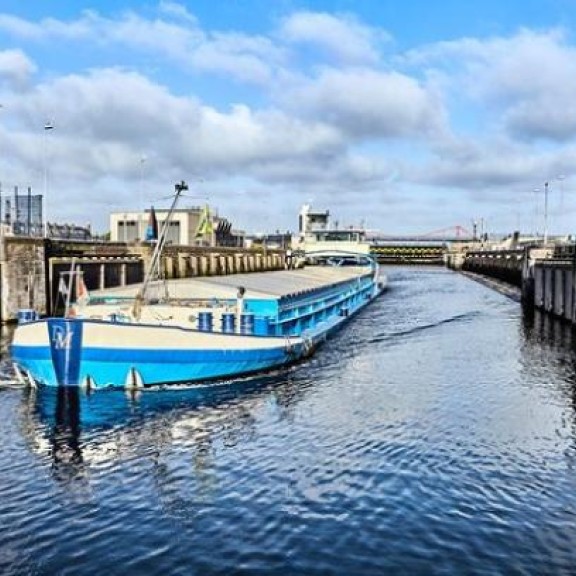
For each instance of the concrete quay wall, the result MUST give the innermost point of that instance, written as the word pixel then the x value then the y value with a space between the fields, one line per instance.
pixel 23 279
pixel 505 265
pixel 32 270
pixel 546 276
pixel 554 288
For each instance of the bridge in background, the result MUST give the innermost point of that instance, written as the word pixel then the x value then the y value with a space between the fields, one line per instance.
pixel 444 235
pixel 429 248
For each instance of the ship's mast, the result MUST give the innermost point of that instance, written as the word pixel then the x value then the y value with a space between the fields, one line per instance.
pixel 154 266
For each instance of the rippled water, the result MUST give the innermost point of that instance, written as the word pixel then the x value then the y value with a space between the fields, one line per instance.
pixel 436 434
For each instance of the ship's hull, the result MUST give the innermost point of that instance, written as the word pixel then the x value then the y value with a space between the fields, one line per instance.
pixel 76 352
pixel 97 354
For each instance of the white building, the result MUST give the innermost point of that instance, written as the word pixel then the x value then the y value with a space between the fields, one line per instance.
pixel 131 226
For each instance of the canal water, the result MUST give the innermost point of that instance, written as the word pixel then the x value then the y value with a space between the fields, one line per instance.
pixel 436 434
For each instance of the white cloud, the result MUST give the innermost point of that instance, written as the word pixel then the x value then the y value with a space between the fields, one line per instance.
pixel 16 69
pixel 105 118
pixel 20 28
pixel 243 139
pixel 496 167
pixel 237 56
pixel 320 116
pixel 176 10
pixel 83 28
pixel 177 37
pixel 341 36
pixel 527 80
pixel 366 103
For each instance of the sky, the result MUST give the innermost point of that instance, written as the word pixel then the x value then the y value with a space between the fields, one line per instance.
pixel 406 117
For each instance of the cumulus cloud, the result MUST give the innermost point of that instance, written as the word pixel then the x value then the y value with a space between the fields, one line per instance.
pixel 490 164
pixel 535 77
pixel 174 9
pixel 239 56
pixel 340 36
pixel 528 80
pixel 174 35
pixel 105 127
pixel 20 27
pixel 242 139
pixel 48 27
pixel 16 69
pixel 322 114
pixel 367 103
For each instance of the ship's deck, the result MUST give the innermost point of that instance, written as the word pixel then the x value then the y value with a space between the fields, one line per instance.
pixel 259 285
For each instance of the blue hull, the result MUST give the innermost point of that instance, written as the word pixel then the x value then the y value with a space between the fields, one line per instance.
pixel 110 367
pixel 82 352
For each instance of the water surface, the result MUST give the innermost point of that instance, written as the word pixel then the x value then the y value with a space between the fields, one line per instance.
pixel 436 434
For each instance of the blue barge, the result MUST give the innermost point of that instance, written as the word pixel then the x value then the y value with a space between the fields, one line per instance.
pixel 192 330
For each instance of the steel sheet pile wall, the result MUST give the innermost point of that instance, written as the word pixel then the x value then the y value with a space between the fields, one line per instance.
pixel 554 288
pixel 546 275
pixel 504 265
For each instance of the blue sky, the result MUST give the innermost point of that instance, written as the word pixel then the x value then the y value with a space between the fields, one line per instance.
pixel 408 117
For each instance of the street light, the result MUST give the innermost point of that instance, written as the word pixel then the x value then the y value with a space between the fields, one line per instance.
pixel 545 213
pixel 536 211
pixel 560 178
pixel 143 159
pixel 47 127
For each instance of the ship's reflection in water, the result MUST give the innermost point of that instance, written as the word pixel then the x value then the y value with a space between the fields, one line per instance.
pixel 79 430
pixel 65 437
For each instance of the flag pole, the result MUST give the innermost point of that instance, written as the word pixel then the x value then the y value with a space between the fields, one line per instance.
pixel 69 292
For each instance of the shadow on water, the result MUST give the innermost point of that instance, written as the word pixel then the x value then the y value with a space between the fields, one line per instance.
pixel 549 344
pixel 549 338
pixel 76 429
pixel 542 328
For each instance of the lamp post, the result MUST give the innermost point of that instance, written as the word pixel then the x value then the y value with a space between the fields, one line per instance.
pixel 47 127
pixel 560 178
pixel 141 209
pixel 143 159
pixel 545 213
pixel 536 212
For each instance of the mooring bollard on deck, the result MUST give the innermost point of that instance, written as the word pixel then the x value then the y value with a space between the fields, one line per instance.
pixel 25 315
pixel 228 323
pixel 247 323
pixel 205 320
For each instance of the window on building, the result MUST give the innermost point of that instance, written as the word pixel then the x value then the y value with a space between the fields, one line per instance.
pixel 127 231
pixel 173 233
